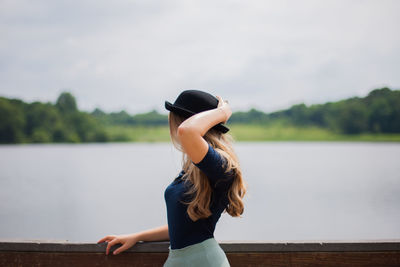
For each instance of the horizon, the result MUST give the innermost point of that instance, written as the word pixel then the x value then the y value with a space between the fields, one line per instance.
pixel 166 111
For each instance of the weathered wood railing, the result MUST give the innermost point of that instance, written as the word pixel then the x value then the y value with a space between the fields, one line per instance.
pixel 309 253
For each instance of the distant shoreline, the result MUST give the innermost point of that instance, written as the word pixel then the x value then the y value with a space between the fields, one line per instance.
pixel 373 118
pixel 240 133
pixel 165 142
pixel 256 133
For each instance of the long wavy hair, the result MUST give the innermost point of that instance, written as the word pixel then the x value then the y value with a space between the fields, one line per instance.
pixel 200 189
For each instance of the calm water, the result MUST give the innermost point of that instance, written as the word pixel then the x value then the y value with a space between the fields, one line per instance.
pixel 296 191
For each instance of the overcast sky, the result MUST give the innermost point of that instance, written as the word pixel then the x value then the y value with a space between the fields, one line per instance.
pixel 133 55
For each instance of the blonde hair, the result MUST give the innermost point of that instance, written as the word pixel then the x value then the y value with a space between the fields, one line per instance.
pixel 198 207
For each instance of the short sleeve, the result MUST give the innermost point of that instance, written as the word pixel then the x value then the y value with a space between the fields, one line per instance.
pixel 213 165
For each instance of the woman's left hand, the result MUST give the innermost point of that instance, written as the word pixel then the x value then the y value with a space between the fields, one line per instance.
pixel 224 106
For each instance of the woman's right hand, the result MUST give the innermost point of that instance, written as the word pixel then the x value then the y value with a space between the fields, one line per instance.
pixel 223 105
pixel 127 241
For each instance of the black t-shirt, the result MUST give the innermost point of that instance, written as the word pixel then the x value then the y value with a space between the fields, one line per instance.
pixel 182 230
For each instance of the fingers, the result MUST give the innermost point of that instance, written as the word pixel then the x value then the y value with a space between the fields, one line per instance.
pixel 107 238
pixel 112 240
pixel 221 101
pixel 110 244
pixel 120 249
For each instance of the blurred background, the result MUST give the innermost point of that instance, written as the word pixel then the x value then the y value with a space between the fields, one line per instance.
pixel 314 89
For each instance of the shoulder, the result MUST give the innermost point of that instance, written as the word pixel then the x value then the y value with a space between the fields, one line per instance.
pixel 214 165
pixel 211 158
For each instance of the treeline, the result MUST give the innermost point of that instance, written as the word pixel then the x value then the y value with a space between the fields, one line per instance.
pixel 378 112
pixel 20 122
pixel 46 122
pixel 152 118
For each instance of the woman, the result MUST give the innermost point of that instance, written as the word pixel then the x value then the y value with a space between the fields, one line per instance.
pixel 210 183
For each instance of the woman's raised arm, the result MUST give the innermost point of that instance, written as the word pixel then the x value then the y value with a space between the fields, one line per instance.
pixel 192 130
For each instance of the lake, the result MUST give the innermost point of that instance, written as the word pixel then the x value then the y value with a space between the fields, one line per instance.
pixel 296 190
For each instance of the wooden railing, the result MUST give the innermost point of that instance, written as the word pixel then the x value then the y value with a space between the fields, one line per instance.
pixel 327 253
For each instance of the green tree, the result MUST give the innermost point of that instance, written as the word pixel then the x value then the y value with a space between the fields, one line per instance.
pixel 384 110
pixel 12 122
pixel 41 135
pixel 353 117
pixel 41 116
pixel 66 103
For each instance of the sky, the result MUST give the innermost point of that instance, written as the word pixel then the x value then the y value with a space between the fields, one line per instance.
pixel 133 55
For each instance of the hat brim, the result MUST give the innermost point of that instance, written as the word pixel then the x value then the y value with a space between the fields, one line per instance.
pixel 179 110
pixel 221 127
pixel 187 113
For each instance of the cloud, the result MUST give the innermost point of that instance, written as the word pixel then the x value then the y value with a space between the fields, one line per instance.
pixel 133 55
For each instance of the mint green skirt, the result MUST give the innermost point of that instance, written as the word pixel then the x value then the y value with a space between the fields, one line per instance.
pixel 205 253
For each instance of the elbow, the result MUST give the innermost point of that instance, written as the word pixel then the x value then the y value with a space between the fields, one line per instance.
pixel 184 131
pixel 180 131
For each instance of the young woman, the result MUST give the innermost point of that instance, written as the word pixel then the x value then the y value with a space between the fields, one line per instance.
pixel 210 183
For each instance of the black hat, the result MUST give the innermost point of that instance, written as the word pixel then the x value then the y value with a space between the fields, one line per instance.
pixel 191 102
